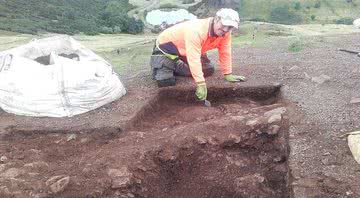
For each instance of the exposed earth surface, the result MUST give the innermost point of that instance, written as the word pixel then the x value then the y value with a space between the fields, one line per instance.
pixel 279 134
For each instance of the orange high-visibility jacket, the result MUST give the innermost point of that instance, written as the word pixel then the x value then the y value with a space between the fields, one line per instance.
pixel 192 39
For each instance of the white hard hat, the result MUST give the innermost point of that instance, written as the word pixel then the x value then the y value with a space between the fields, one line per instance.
pixel 229 17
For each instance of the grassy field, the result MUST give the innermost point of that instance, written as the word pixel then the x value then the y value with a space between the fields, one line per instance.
pixel 311 11
pixel 324 11
pixel 12 39
pixel 145 3
pixel 135 50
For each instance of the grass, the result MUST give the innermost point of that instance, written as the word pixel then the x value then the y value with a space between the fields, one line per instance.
pixel 255 34
pixel 11 39
pixel 135 50
pixel 296 45
pixel 328 11
pixel 298 37
pixel 130 60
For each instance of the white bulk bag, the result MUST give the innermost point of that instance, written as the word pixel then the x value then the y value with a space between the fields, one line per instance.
pixel 357 23
pixel 39 79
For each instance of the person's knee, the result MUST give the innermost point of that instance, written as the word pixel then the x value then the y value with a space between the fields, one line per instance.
pixel 166 82
pixel 164 77
pixel 182 68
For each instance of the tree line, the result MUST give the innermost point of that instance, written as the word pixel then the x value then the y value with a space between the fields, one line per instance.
pixel 68 16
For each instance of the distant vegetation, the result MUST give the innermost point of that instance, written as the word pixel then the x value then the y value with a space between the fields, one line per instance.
pixel 68 16
pixel 110 16
pixel 300 11
pixel 285 15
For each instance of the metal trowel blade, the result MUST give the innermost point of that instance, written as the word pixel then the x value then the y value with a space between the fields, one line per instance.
pixel 207 103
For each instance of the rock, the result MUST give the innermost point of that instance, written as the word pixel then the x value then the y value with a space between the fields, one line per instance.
pixel 12 173
pixel 213 141
pixel 294 68
pixel 354 100
pixel 39 195
pixel 2 167
pixel 143 168
pixel 31 174
pixel 237 118
pixel 5 191
pixel 251 185
pixel 230 140
pixel 275 118
pixel 84 140
pixel 58 183
pixel 234 138
pixel 249 181
pixel 200 140
pixel 321 79
pixel 120 178
pixel 253 123
pixel 306 182
pixel 130 195
pixel 71 137
pixel 37 165
pixel 329 160
pixel 280 110
pixel 34 152
pixel 3 159
pixel 273 130
pixel 279 159
pixel 348 193
pixel 307 76
pixel 239 163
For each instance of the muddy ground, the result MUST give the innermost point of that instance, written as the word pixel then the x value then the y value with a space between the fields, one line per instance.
pixel 276 135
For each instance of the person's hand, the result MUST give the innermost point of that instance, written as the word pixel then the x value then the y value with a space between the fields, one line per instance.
pixel 201 91
pixel 234 78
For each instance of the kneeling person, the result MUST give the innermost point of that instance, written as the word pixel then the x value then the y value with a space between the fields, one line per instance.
pixel 181 50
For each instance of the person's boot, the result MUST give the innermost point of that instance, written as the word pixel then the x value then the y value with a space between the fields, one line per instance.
pixel 167 82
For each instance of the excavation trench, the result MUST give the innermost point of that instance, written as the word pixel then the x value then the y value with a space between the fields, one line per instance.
pixel 238 147
pixel 173 147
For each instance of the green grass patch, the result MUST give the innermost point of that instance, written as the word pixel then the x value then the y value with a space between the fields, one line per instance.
pixel 132 59
pixel 326 11
pixel 168 6
pixel 255 34
pixel 296 46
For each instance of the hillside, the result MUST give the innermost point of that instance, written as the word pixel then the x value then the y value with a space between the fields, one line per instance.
pixel 67 16
pixel 304 11
pixel 288 11
pixel 110 16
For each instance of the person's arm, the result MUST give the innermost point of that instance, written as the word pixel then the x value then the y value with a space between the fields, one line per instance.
pixel 193 55
pixel 226 60
pixel 224 50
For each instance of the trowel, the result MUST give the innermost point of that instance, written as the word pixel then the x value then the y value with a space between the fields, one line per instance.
pixel 207 103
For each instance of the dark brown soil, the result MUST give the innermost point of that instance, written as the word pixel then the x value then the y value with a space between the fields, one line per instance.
pixel 171 148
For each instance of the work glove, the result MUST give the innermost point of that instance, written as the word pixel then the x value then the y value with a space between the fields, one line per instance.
pixel 234 78
pixel 201 91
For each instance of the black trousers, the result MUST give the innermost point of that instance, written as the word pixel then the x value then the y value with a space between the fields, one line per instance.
pixel 165 69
